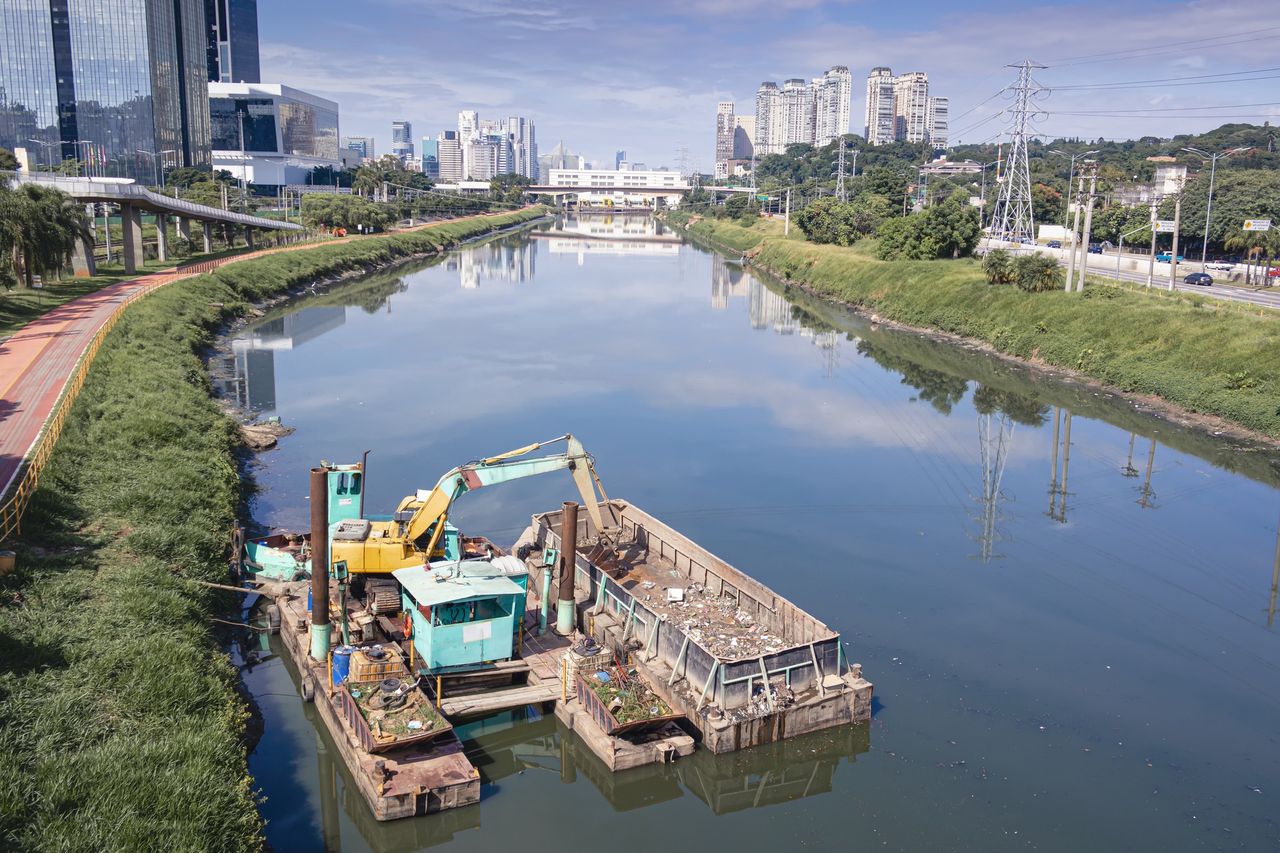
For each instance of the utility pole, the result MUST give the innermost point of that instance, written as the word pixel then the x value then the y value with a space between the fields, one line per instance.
pixel 1151 266
pixel 1177 223
pixel 1147 501
pixel 786 221
pixel 1088 223
pixel 840 191
pixel 1075 227
pixel 1013 218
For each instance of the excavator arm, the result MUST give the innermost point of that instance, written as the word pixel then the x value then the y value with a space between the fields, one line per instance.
pixel 426 526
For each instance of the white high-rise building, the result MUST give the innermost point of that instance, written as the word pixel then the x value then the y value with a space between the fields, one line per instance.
pixel 724 137
pixel 449 152
pixel 744 137
pixel 524 147
pixel 468 131
pixel 911 107
pixel 832 93
pixel 402 140
pixel 938 115
pixel 769 123
pixel 797 112
pixel 879 125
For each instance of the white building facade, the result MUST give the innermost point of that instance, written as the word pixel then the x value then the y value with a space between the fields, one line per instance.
pixel 879 125
pixel 270 134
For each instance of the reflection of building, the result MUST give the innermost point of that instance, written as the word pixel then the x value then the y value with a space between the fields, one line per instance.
pixel 271 135
pixel 253 381
pixel 771 310
pixel 100 81
pixel 727 281
pixel 610 234
pixel 510 261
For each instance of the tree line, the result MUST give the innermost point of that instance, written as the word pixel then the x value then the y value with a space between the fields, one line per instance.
pixel 39 230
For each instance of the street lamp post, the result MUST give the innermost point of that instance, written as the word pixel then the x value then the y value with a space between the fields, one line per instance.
pixel 156 168
pixel 1066 211
pixel 46 146
pixel 1213 159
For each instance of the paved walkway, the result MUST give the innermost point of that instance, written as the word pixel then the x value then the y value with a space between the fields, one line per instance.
pixel 37 360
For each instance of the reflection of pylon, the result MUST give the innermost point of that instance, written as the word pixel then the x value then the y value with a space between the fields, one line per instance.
pixel 1275 582
pixel 994 445
pixel 829 343
pixel 1148 499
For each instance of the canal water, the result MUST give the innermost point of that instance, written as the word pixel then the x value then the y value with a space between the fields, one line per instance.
pixel 1067 606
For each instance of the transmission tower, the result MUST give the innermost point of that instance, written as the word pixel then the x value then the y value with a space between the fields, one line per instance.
pixel 995 434
pixel 1012 218
pixel 840 191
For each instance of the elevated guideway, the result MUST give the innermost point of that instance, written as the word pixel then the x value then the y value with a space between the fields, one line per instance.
pixel 133 199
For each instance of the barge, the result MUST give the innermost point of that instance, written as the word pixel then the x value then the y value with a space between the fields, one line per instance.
pixel 644 644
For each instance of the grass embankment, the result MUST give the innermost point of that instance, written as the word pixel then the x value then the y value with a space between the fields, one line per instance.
pixel 120 725
pixel 1202 354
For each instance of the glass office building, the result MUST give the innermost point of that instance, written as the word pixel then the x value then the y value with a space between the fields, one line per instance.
pixel 271 134
pixel 231 27
pixel 101 80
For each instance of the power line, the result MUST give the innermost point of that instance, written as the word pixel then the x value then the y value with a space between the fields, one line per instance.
pixel 1124 83
pixel 1102 87
pixel 1167 109
pixel 1166 47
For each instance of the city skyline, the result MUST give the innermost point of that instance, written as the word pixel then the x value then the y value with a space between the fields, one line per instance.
pixel 641 102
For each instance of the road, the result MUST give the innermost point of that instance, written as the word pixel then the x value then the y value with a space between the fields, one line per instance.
pixel 1268 297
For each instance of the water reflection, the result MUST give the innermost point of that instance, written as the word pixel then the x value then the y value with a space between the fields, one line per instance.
pixel 609 235
pixel 507 260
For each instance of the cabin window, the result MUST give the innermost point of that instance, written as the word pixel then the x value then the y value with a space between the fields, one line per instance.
pixel 349 484
pixel 470 611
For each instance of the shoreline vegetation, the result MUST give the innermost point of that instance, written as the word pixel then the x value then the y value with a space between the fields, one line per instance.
pixel 1195 353
pixel 121 723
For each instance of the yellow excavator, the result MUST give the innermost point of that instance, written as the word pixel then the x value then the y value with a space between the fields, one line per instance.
pixel 419 531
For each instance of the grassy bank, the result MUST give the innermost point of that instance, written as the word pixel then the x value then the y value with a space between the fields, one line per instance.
pixel 1202 354
pixel 120 725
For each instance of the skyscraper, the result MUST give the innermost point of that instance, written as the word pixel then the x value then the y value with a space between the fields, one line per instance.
pixel 402 140
pixel 769 127
pixel 911 107
pixel 797 113
pixel 524 147
pixel 361 144
pixel 619 157
pixel 724 137
pixel 879 126
pixel 744 137
pixel 832 93
pixel 100 80
pixel 231 49
pixel 938 115
pixel 449 151
pixel 430 158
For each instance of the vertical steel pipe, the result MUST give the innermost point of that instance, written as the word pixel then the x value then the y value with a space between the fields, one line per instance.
pixel 320 626
pixel 568 560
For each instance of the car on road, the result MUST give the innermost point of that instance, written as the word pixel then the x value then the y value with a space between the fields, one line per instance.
pixel 1054 244
pixel 1095 248
pixel 1166 257
pixel 1200 279
pixel 1220 266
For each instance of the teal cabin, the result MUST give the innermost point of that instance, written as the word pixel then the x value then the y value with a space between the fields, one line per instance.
pixel 465 613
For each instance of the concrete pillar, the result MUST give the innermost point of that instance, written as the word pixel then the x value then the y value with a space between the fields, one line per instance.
pixel 83 264
pixel 248 237
pixel 131 228
pixel 162 237
pixel 208 236
pixel 184 228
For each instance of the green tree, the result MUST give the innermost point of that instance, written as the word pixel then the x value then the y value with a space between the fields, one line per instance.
pixel 8 161
pixel 997 266
pixel 1036 273
pixel 829 221
pixel 509 188
pixel 39 230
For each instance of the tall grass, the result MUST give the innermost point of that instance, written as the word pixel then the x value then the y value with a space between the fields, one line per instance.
pixel 1205 355
pixel 120 724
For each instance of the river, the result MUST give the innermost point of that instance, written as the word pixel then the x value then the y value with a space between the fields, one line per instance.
pixel 1073 645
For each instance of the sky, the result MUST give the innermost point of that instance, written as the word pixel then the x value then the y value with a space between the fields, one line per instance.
pixel 645 77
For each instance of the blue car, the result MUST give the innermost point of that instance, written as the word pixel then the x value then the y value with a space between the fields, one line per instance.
pixel 1166 257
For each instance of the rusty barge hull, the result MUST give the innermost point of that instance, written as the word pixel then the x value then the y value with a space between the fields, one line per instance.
pixel 743 664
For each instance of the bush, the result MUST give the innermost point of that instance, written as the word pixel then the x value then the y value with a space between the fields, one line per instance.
pixel 1036 273
pixel 998 267
pixel 947 230
pixel 843 223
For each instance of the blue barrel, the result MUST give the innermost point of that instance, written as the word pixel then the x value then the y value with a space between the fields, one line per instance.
pixel 342 663
pixel 308 599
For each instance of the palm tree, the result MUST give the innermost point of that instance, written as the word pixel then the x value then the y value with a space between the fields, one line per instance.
pixel 1256 245
pixel 39 230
